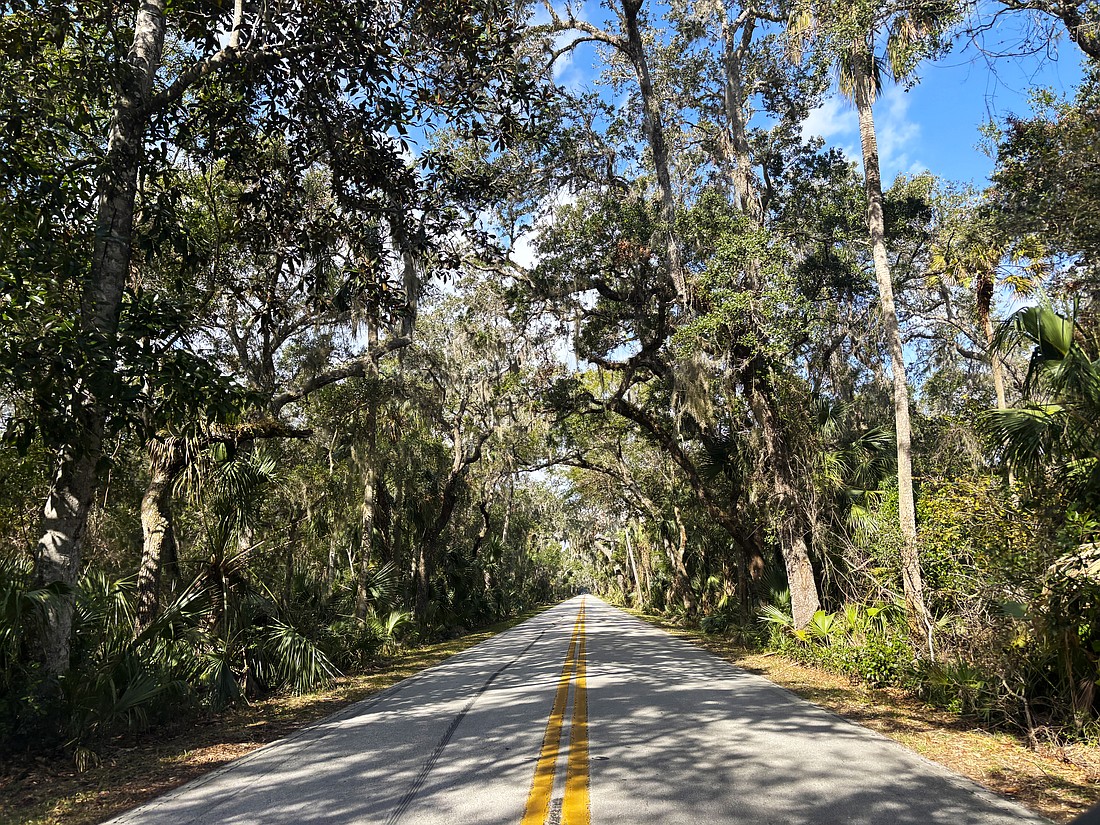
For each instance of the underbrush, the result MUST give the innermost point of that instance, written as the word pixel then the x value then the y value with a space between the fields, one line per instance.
pixel 221 641
pixel 864 643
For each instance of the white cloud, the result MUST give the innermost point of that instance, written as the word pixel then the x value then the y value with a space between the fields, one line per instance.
pixel 833 117
pixel 899 138
pixel 523 251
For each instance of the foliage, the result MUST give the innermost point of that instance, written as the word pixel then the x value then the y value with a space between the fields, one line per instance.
pixel 866 643
pixel 402 353
pixel 1046 188
pixel 1058 431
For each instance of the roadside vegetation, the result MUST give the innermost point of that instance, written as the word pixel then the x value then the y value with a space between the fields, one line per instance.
pixel 331 328
pixel 1059 780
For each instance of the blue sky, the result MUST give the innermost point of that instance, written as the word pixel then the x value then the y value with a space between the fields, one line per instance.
pixel 935 125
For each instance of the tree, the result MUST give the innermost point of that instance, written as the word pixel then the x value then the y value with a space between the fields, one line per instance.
pixel 278 68
pixel 628 45
pixel 1044 197
pixel 848 35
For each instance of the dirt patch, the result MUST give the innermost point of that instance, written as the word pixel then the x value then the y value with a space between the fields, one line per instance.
pixel 133 769
pixel 1058 782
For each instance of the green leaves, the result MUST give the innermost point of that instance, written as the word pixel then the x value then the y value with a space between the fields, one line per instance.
pixel 296 660
pixel 1061 433
pixel 1051 333
pixel 1046 186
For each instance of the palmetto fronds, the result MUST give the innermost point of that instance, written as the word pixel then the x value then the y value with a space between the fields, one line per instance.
pixel 772 614
pixel 381 583
pixel 850 467
pixel 294 659
pixel 21 606
pixel 1059 431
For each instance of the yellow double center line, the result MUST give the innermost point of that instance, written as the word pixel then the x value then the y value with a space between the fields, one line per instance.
pixel 574 809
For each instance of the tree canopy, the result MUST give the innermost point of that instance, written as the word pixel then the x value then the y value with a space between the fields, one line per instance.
pixel 330 327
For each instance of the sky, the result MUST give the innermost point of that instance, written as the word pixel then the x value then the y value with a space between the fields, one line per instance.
pixel 934 126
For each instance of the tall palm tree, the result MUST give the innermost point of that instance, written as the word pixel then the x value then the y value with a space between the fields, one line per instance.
pixel 864 85
pixel 848 33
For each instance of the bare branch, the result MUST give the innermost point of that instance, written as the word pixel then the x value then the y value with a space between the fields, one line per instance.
pixel 355 368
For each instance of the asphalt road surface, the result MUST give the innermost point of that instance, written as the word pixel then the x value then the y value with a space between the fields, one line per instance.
pixel 581 715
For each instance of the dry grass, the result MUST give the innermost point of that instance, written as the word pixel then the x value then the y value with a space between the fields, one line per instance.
pixel 1058 782
pixel 134 769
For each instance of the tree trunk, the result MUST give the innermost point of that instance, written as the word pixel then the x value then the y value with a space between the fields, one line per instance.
pixel 653 126
pixel 425 569
pixel 428 551
pixel 876 225
pixel 483 508
pixel 996 366
pixel 57 561
pixel 639 601
pixel 681 580
pixel 366 543
pixel 998 385
pixel 508 497
pixel 397 528
pixel 158 535
pixel 736 41
pixel 789 499
pixel 330 571
pixel 65 514
pixel 984 300
pixel 288 558
pixel 384 520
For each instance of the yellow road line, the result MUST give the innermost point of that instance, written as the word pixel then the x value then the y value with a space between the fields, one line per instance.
pixel 575 807
pixel 538 801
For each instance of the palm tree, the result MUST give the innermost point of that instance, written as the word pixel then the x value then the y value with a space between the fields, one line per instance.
pixel 864 84
pixel 849 33
pixel 1058 429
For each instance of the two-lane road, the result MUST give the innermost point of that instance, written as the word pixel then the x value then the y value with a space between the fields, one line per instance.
pixel 582 714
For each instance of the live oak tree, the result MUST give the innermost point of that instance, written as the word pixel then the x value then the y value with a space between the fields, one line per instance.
pixel 395 63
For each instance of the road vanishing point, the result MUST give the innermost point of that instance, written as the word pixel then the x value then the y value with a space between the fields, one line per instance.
pixel 583 714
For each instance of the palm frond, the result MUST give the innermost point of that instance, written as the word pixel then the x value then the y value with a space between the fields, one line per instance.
pixel 297 661
pixel 1025 435
pixel 381 583
pixel 772 614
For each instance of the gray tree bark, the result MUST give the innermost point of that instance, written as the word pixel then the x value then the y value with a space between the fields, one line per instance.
pixel 876 225
pixel 788 493
pixel 158 534
pixel 65 514
pixel 366 543
pixel 654 128
pixel 639 599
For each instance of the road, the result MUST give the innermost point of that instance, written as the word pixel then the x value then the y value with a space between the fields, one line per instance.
pixel 581 715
